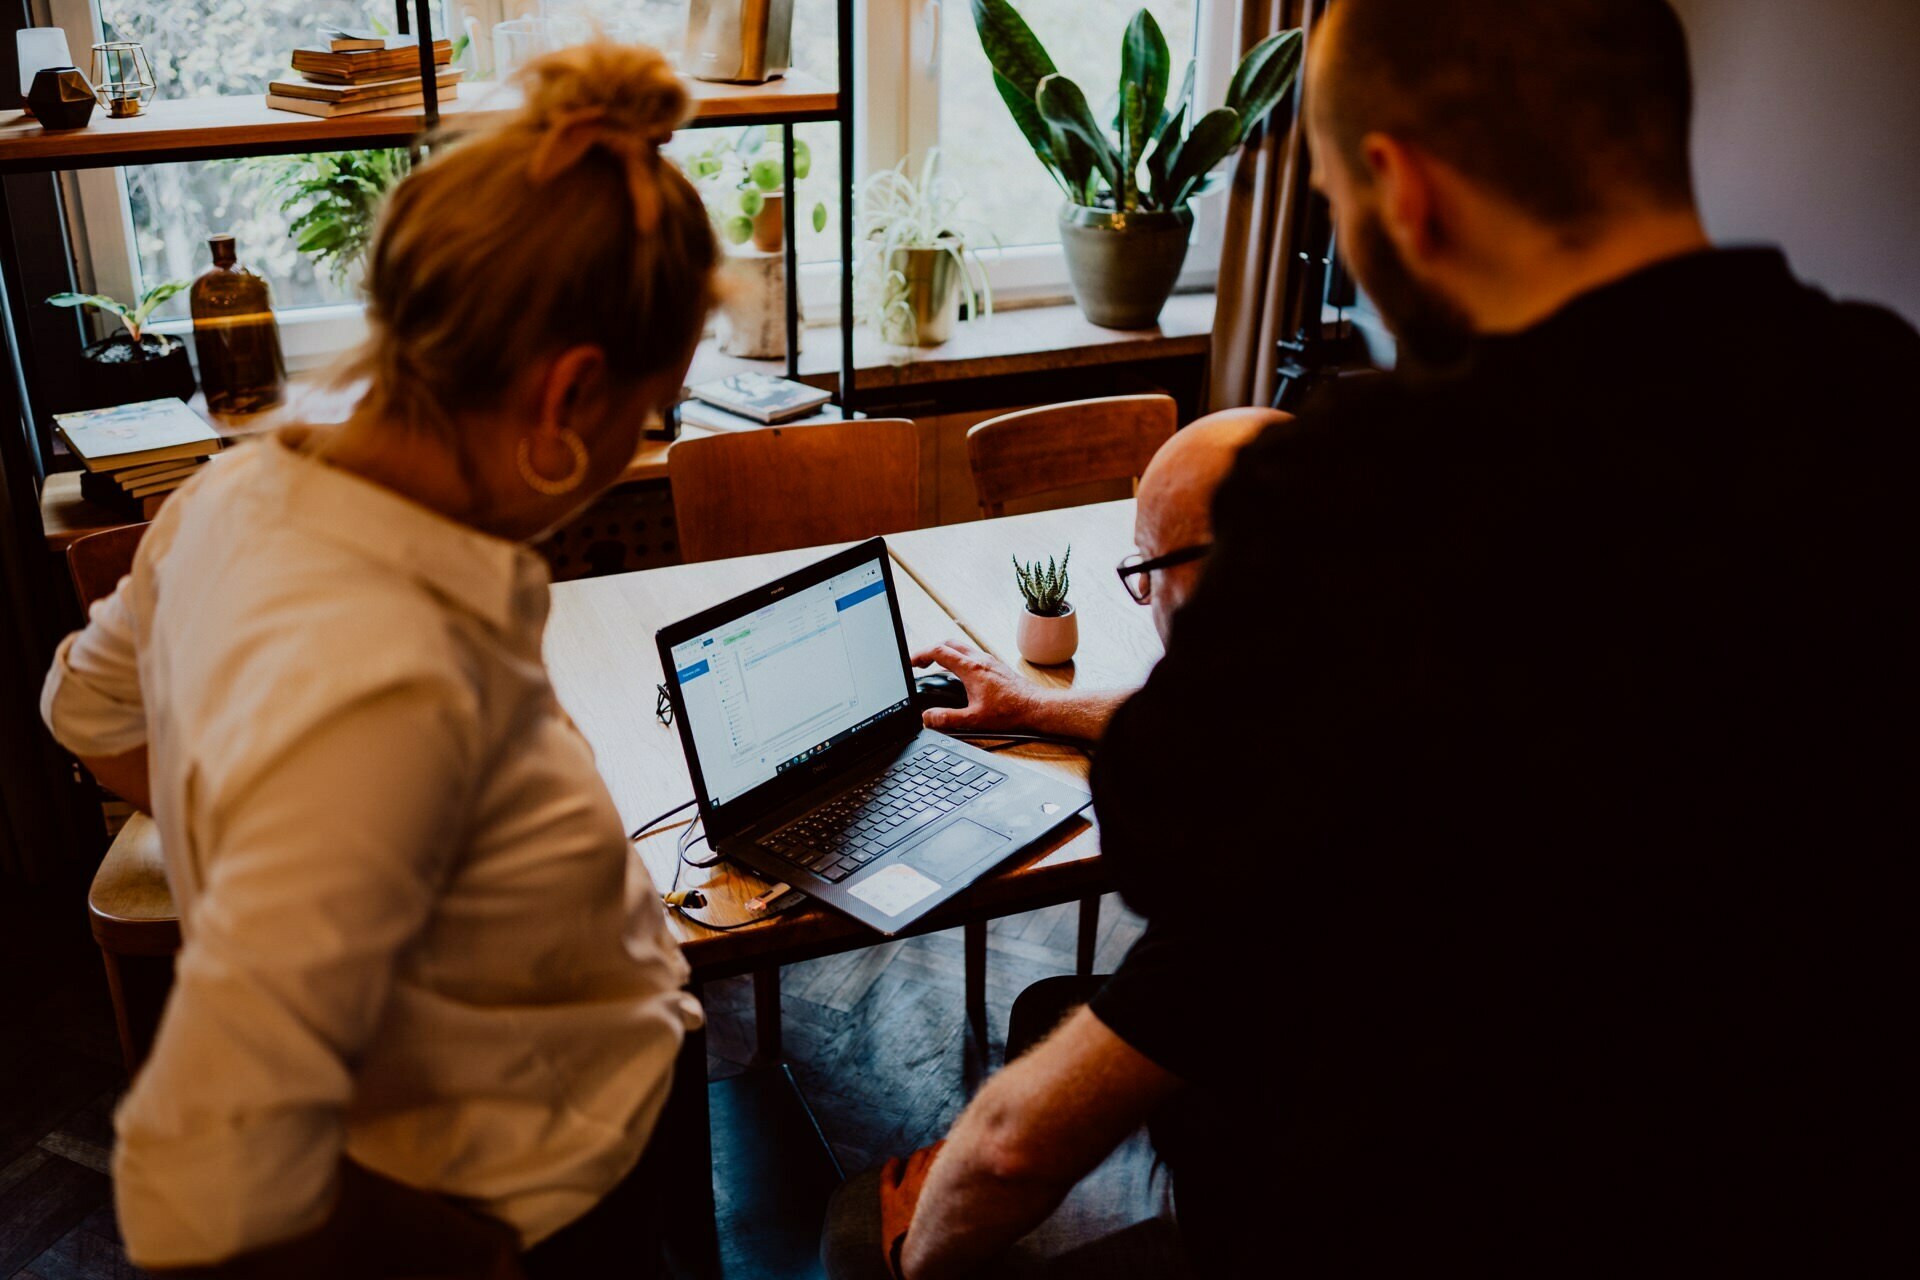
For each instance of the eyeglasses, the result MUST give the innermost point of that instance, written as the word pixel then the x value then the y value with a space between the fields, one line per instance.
pixel 1135 572
pixel 662 704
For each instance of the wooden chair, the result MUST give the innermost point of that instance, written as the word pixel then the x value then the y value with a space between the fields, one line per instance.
pixel 129 903
pixel 745 492
pixel 1034 451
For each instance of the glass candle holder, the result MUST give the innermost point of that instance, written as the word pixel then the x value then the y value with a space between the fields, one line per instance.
pixel 122 77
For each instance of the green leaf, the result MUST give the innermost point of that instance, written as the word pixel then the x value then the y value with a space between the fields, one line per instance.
pixel 1027 116
pixel 751 202
pixel 327 236
pixel 1065 108
pixel 738 230
pixel 1145 63
pixel 752 138
pixel 1214 135
pixel 1264 76
pixel 802 160
pixel 112 306
pixel 819 217
pixel 1010 45
pixel 1133 140
pixel 765 175
pixel 158 294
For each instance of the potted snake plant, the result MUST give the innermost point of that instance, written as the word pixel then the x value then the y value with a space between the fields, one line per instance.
pixel 1049 631
pixel 1126 237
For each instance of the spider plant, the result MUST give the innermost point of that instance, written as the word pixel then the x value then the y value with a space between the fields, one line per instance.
pixel 898 215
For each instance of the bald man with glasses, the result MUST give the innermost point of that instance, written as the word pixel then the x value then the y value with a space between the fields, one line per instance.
pixel 1172 536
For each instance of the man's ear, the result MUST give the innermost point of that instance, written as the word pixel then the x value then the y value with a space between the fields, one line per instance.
pixel 573 396
pixel 1408 201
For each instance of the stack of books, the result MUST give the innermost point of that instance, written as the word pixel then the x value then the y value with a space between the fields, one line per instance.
pixel 357 72
pixel 747 401
pixel 137 454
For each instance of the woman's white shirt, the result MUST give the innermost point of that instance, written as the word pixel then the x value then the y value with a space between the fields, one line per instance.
pixel 414 931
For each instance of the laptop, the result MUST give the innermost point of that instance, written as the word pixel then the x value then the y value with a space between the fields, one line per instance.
pixel 810 764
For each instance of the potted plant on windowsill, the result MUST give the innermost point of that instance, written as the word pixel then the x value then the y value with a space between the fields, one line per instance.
pixel 742 181
pixel 915 264
pixel 1049 631
pixel 1126 240
pixel 131 365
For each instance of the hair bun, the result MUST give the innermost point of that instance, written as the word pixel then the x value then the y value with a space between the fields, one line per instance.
pixel 632 87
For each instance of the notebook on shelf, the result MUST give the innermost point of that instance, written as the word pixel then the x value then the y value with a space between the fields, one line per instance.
pixel 446 78
pixel 132 435
pixel 698 413
pixel 761 396
pixel 361 65
pixel 359 106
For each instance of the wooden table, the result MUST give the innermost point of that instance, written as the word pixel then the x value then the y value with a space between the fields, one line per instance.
pixel 600 649
pixel 966 569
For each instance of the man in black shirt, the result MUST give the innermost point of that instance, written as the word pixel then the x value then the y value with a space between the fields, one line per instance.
pixel 1523 807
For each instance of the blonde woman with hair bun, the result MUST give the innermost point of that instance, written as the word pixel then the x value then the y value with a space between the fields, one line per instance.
pixel 426 1011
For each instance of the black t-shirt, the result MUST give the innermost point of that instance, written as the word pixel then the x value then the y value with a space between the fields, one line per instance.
pixel 1524 807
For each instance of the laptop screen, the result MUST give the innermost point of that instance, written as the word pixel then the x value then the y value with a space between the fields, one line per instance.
pixel 777 686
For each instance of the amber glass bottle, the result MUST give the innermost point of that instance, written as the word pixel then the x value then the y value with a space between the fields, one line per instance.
pixel 236 336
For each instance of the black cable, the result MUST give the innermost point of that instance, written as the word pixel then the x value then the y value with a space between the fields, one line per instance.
pixel 645 827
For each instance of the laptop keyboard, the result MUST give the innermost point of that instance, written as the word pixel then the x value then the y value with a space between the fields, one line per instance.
pixel 847 833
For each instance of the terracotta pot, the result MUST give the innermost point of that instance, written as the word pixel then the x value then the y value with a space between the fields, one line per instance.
pixel 769 225
pixel 1048 642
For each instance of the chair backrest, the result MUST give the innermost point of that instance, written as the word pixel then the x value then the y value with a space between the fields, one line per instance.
pixel 1018 455
pixel 744 492
pixel 99 560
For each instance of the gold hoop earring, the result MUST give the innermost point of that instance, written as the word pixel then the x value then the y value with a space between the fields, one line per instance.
pixel 523 455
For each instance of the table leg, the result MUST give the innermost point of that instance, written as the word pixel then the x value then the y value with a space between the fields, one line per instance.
pixel 1089 936
pixel 975 936
pixel 766 1015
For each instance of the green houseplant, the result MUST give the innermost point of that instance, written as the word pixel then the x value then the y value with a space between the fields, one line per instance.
pixel 333 201
pixel 132 364
pixel 741 179
pixel 1049 631
pixel 916 266
pixel 1126 238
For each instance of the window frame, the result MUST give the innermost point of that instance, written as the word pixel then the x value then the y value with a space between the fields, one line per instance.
pixel 896 60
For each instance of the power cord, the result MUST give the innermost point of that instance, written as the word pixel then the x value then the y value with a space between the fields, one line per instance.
pixel 685 902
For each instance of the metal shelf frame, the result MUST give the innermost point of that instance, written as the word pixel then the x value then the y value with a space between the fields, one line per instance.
pixel 25 451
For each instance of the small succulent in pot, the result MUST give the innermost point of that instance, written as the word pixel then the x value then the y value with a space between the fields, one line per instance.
pixel 131 365
pixel 1049 630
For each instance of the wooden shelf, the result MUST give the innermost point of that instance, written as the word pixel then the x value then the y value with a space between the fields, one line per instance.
pixel 189 127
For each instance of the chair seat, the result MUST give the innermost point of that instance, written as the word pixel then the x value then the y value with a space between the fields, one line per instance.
pixel 130 904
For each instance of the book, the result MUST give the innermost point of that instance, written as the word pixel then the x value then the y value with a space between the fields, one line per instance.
pixel 99 489
pixel 698 413
pixel 445 78
pixel 365 64
pixel 349 43
pixel 328 110
pixel 761 397
pixel 130 435
pixel 153 470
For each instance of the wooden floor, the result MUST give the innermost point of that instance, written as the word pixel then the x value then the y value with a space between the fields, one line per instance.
pixel 875 1038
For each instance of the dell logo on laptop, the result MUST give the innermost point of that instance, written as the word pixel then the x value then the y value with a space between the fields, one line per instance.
pixel 1049 808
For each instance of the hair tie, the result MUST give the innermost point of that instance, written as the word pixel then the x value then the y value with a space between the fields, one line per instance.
pixel 571 134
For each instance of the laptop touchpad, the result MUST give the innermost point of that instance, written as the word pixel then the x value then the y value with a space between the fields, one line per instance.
pixel 954 850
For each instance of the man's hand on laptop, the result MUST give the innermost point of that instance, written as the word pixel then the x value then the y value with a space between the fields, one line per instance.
pixel 1000 700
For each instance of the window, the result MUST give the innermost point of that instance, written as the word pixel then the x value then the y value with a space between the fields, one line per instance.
pixel 924 82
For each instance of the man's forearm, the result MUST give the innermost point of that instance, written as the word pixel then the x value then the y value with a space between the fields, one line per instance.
pixel 979 1198
pixel 1073 713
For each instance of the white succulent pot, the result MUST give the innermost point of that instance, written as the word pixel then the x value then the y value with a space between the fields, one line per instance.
pixel 1047 642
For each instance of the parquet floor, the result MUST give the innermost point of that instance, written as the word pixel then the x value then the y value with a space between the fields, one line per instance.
pixel 876 1039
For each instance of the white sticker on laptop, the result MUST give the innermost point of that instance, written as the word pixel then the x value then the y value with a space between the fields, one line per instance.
pixel 893 889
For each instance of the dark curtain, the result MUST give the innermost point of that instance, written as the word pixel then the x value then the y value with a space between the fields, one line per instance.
pixel 1256 299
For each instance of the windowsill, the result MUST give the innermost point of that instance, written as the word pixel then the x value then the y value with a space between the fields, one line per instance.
pixel 1027 340
pixel 1011 341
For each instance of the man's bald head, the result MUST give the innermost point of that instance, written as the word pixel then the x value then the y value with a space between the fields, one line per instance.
pixel 1175 506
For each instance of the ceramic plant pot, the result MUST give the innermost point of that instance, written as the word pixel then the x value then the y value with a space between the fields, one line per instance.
pixel 112 372
pixel 1048 642
pixel 1123 265
pixel 933 292
pixel 770 224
